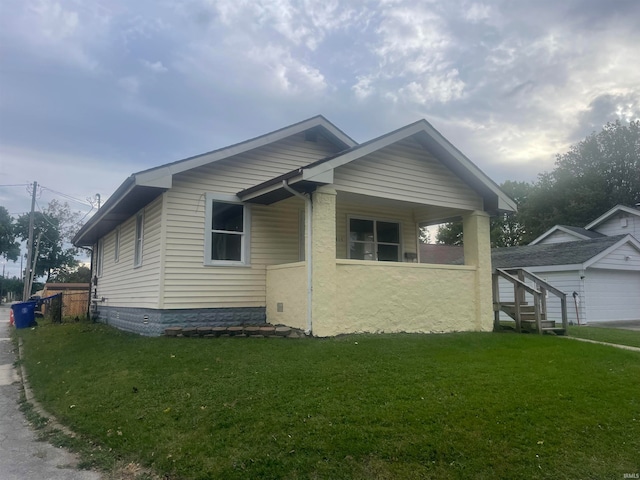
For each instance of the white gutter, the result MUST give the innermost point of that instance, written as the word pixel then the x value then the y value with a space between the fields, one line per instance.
pixel 308 256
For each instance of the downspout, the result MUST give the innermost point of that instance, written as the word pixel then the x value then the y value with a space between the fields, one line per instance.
pixel 308 256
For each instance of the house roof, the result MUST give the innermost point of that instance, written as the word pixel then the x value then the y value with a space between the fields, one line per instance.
pixel 441 254
pixel 614 211
pixel 579 252
pixel 579 233
pixel 321 172
pixel 143 187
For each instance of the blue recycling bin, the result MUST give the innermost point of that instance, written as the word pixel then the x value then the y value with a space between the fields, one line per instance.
pixel 24 314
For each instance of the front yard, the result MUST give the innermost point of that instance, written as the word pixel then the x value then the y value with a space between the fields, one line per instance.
pixel 465 405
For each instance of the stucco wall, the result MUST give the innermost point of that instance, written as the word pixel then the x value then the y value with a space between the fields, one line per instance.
pixel 287 284
pixel 400 297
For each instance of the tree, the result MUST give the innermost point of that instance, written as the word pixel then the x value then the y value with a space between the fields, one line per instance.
pixel 450 233
pixel 9 248
pixel 507 229
pixel 80 275
pixel 53 228
pixel 596 174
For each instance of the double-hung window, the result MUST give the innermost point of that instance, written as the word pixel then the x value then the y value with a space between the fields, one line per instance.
pixel 116 246
pixel 374 240
pixel 99 257
pixel 227 232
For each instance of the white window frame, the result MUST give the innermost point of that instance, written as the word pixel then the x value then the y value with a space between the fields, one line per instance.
pixel 375 220
pixel 138 239
pixel 116 246
pixel 245 235
pixel 99 257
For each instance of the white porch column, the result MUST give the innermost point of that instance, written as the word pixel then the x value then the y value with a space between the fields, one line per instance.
pixel 477 252
pixel 324 261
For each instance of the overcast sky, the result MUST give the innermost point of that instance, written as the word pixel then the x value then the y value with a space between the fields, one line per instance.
pixel 92 91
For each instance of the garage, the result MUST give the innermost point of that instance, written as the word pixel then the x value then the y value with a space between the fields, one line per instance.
pixel 612 295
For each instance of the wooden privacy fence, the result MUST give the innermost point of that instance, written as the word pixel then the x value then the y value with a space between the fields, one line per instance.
pixel 75 297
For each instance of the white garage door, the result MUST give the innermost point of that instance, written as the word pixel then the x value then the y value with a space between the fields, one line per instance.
pixel 612 295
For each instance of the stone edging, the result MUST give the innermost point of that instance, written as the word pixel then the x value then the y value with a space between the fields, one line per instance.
pixel 264 330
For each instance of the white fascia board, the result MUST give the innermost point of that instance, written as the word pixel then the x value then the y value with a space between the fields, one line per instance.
pixel 555 268
pixel 322 177
pixel 628 239
pixel 360 152
pixel 160 179
pixel 504 202
pixel 106 209
pixel 555 229
pixel 605 216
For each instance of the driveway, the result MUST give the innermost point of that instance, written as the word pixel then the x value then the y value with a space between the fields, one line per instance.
pixel 22 456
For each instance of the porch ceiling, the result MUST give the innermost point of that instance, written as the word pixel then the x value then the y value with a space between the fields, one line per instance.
pixel 424 214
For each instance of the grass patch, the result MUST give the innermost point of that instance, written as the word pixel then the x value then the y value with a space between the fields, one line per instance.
pixel 465 405
pixel 608 335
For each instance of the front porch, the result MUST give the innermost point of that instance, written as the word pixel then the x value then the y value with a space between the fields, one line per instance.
pixel 332 295
pixel 379 297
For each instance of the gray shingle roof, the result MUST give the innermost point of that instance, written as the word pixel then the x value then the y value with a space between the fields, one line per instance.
pixel 566 253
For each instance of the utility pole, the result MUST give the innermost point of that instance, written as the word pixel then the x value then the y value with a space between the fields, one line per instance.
pixel 35 261
pixel 26 294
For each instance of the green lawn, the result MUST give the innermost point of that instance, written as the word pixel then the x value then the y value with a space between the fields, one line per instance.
pixel 468 405
pixel 608 335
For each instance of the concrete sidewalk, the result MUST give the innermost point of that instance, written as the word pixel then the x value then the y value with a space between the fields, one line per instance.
pixel 22 456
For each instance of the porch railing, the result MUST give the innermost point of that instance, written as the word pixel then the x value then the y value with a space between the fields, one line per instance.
pixel 519 309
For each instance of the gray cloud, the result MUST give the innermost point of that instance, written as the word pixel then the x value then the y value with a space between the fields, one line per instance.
pixel 130 85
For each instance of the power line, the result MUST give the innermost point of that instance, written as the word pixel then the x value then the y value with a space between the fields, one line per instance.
pixel 69 197
pixel 16 185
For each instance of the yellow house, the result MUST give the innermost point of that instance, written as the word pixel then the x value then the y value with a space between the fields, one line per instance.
pixel 302 227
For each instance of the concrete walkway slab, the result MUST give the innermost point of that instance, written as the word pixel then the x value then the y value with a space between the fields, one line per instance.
pixel 22 456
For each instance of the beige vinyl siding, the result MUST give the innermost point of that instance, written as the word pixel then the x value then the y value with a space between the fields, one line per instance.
pixel 345 210
pixel 623 258
pixel 406 172
pixel 121 283
pixel 274 234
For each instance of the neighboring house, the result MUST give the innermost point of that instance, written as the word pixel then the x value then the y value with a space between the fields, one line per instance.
pixel 600 263
pixel 302 227
pixel 441 254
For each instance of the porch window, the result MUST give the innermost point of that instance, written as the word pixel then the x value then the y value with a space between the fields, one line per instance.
pixel 227 232
pixel 374 240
